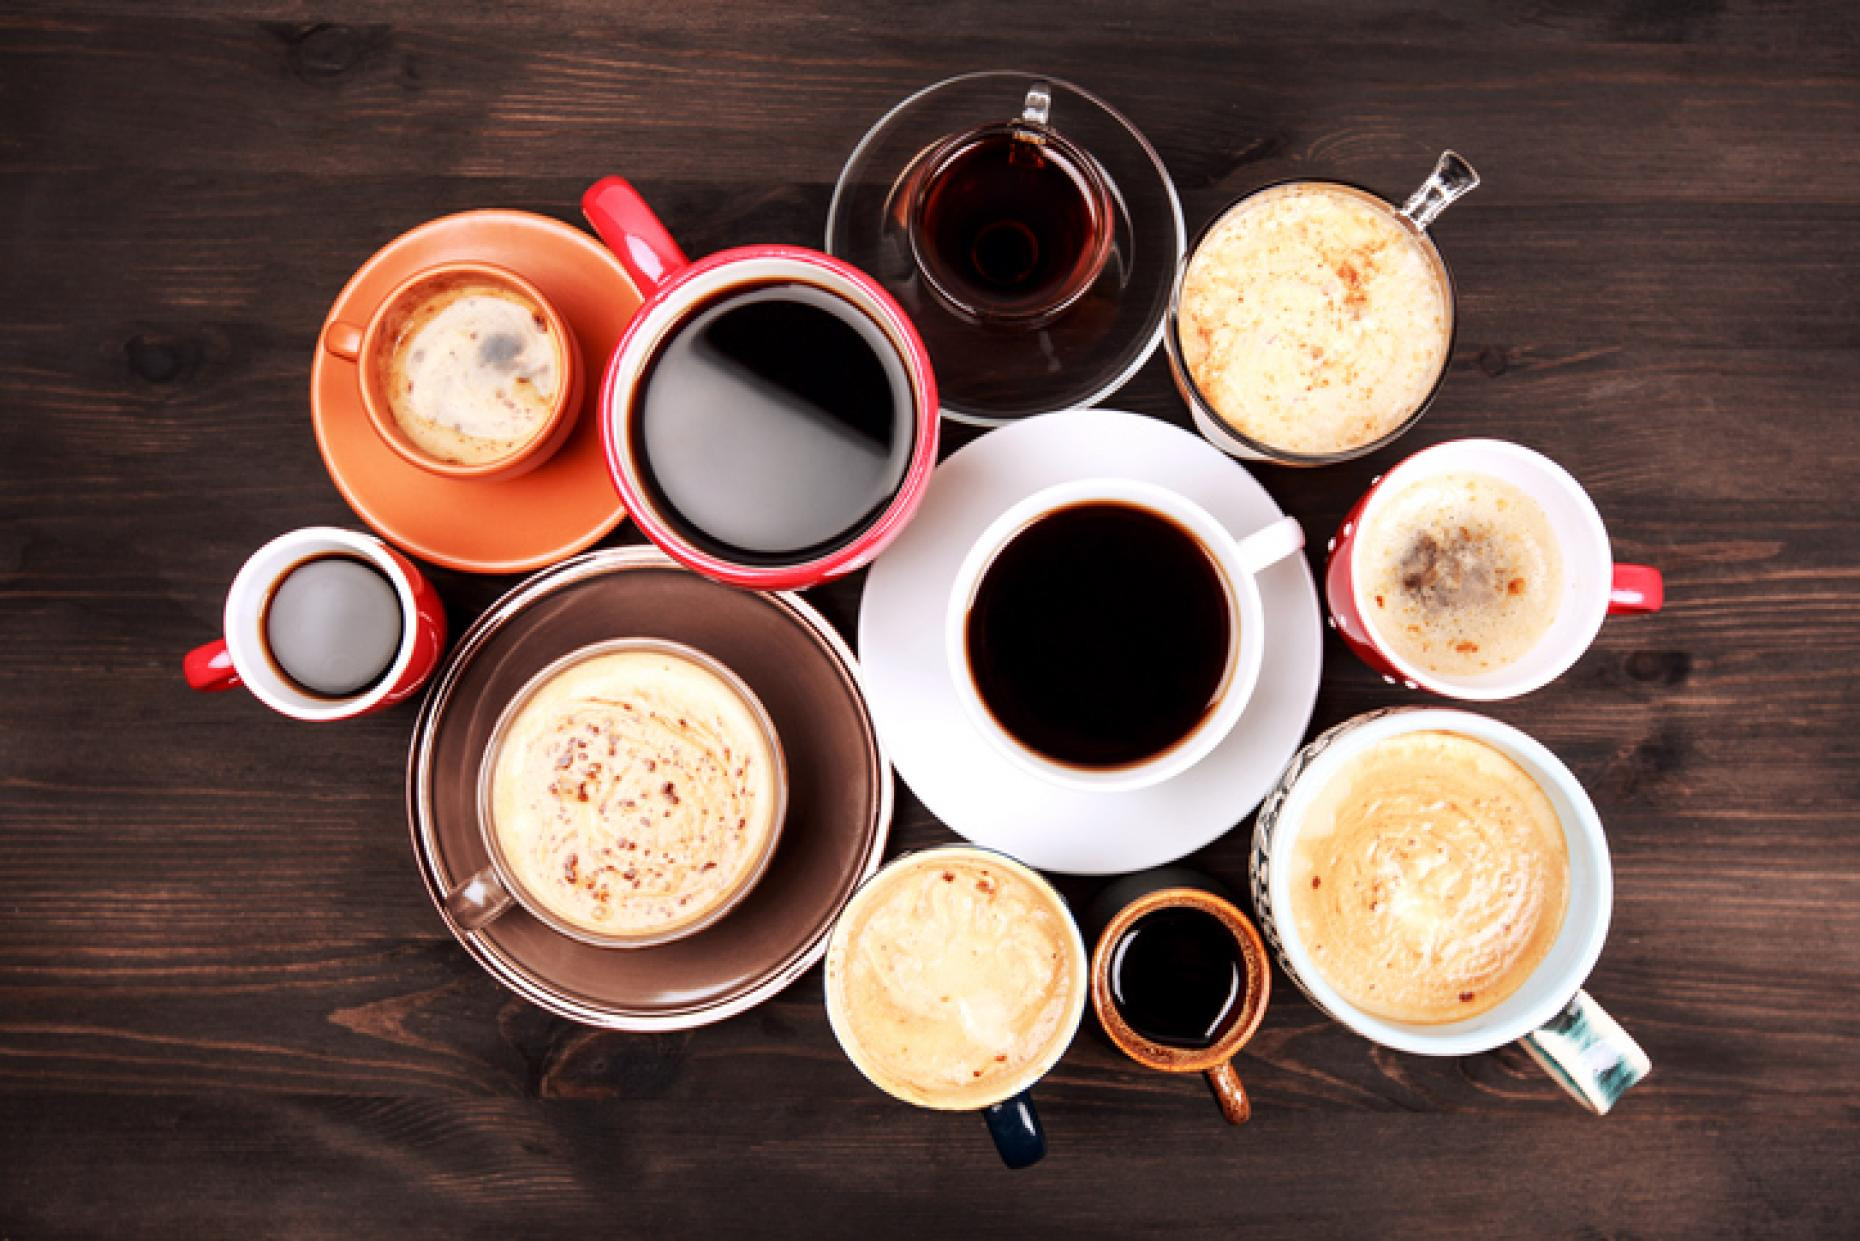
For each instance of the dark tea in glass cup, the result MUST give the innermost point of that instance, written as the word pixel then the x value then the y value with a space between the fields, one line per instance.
pixel 1010 223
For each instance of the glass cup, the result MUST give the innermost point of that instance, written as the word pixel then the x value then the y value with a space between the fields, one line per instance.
pixel 1010 223
pixel 1451 179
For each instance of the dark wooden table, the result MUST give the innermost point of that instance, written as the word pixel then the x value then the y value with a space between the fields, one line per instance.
pixel 226 1007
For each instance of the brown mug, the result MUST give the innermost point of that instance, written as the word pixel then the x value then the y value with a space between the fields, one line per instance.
pixel 1192 926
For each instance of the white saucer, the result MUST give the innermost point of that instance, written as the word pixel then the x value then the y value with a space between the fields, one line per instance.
pixel 963 780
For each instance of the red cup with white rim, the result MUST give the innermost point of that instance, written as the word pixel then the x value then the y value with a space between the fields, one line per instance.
pixel 770 414
pixel 1477 569
pixel 324 624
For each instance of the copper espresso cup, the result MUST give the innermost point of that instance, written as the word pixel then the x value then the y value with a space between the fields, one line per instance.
pixel 1117 910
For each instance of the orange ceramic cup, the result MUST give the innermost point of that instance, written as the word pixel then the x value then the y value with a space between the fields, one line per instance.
pixel 367 346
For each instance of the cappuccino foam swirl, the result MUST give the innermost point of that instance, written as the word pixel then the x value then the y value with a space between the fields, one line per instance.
pixel 1429 878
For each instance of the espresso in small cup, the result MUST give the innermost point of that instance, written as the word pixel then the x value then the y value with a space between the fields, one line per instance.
pixel 1429 878
pixel 631 794
pixel 955 978
pixel 1463 572
pixel 1101 635
pixel 774 426
pixel 472 369
pixel 1011 223
pixel 332 625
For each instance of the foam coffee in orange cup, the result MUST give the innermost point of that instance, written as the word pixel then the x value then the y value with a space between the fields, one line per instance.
pixel 466 370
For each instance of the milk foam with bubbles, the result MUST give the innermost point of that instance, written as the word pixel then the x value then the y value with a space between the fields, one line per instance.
pixel 1463 574
pixel 473 373
pixel 1313 319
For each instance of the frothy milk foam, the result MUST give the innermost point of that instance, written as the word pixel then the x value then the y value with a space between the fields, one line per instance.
pixel 1313 318
pixel 633 792
pixel 1462 573
pixel 472 372
pixel 953 977
pixel 1429 878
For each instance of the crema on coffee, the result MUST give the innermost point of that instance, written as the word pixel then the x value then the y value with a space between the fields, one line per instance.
pixel 1313 318
pixel 633 792
pixel 953 978
pixel 472 371
pixel 1462 573
pixel 1428 878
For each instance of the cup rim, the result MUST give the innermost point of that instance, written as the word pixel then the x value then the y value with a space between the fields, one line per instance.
pixel 251 654
pixel 653 323
pixel 1199 402
pixel 1307 774
pixel 533 451
pixel 1245 655
pixel 493 847
pixel 1580 638
pixel 1081 965
pixel 926 171
pixel 1161 1056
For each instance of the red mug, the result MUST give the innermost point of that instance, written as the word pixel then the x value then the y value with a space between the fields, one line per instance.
pixel 675 290
pixel 243 656
pixel 1592 585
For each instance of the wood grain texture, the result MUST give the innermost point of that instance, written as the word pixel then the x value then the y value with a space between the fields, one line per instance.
pixel 226 1007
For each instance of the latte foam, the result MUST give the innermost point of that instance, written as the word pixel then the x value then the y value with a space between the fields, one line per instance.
pixel 955 978
pixel 1313 318
pixel 633 793
pixel 1429 878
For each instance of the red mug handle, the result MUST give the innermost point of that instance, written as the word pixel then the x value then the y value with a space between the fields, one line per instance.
pixel 209 668
pixel 1636 588
pixel 632 232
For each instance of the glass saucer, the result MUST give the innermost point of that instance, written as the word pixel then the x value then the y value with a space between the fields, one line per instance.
pixel 992 375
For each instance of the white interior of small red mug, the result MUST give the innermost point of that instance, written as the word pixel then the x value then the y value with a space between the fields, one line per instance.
pixel 245 611
pixel 1585 921
pixel 1245 653
pixel 669 315
pixel 1582 541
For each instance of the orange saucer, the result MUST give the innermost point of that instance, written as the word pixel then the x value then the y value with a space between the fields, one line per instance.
pixel 507 526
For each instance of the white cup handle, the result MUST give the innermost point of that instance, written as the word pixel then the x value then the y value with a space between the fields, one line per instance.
pixel 1270 545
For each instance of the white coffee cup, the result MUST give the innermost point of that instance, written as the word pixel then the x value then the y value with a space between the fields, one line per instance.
pixel 1237 560
pixel 1567 1032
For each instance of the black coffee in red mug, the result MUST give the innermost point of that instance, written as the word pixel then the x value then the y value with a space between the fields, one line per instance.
pixel 1010 223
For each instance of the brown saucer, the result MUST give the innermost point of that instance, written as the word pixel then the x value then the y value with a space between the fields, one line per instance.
pixel 840 792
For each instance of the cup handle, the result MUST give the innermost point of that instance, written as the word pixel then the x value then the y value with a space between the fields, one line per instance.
pixel 1588 1053
pixel 631 230
pixel 1015 1127
pixel 479 900
pixel 1452 179
pixel 1229 1093
pixel 209 668
pixel 344 340
pixel 1270 545
pixel 1636 588
pixel 1037 108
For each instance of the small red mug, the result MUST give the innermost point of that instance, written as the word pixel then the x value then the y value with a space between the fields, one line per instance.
pixel 675 289
pixel 1593 585
pixel 243 657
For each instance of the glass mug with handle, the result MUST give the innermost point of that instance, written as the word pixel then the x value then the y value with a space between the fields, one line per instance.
pixel 956 978
pixel 1538 1000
